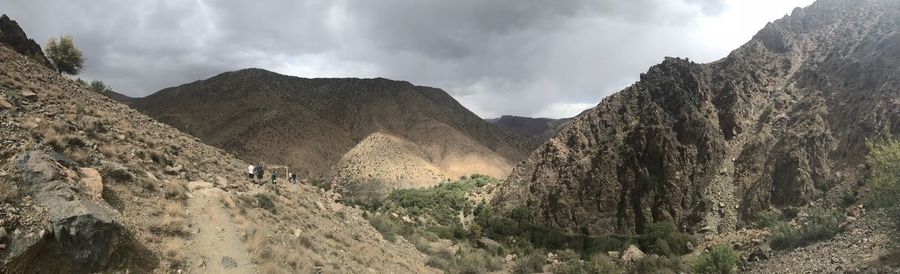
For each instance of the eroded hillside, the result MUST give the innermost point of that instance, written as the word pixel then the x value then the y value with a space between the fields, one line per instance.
pixel 88 184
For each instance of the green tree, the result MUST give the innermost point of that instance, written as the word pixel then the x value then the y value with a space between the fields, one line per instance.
pixel 883 179
pixel 100 87
pixel 64 55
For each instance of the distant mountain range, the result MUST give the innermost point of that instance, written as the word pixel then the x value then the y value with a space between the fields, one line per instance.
pixel 537 130
pixel 393 131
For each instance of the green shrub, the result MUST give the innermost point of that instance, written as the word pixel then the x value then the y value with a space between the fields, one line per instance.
pixel 597 264
pixel 768 219
pixel 720 260
pixel 664 239
pixel 369 194
pixel 652 264
pixel 883 178
pixel 265 201
pixel 532 263
pixel 468 261
pixel 99 87
pixel 821 224
pixel 387 226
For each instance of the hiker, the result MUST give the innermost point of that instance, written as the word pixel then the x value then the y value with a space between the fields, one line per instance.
pixel 293 178
pixel 261 170
pixel 273 178
pixel 334 184
pixel 250 170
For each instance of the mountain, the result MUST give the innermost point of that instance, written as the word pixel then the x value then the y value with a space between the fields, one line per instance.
pixel 89 185
pixel 780 122
pixel 12 36
pixel 311 124
pixel 537 130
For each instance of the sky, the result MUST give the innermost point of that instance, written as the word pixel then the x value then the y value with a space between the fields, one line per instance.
pixel 533 58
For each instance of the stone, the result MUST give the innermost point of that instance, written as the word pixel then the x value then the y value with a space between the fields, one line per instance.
pixel 29 95
pixel 85 231
pixel 3 234
pixel 117 171
pixel 221 182
pixel 229 262
pixel 90 180
pixel 173 170
pixel 488 244
pixel 632 254
pixel 5 105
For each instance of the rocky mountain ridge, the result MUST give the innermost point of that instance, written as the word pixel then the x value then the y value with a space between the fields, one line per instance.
pixel 537 130
pixel 780 122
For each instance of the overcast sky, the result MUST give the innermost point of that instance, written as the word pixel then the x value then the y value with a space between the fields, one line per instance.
pixel 521 57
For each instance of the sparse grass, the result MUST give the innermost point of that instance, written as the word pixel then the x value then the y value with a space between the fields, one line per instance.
pixel 389 228
pixel 720 260
pixel 820 225
pixel 768 219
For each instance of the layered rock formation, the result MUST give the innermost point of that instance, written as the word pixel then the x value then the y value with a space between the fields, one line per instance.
pixel 14 37
pixel 780 122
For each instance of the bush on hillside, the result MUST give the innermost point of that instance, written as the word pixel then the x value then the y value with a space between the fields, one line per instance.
pixel 651 264
pixel 100 87
pixel 820 225
pixel 64 55
pixel 883 179
pixel 720 260
pixel 664 239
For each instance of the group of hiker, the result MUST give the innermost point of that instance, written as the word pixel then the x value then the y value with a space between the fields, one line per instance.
pixel 257 172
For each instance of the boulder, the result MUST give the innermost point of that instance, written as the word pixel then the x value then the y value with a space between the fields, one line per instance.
pixel 5 105
pixel 173 170
pixel 632 254
pixel 117 171
pixel 91 182
pixel 84 231
pixel 221 182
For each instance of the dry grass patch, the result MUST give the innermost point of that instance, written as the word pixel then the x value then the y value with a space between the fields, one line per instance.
pixel 173 222
pixel 8 190
pixel 175 190
pixel 171 251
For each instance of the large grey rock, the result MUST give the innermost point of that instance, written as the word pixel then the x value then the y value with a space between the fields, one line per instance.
pixel 83 231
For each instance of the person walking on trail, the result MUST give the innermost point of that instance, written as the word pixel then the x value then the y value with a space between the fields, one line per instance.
pixel 293 178
pixel 273 178
pixel 260 171
pixel 250 171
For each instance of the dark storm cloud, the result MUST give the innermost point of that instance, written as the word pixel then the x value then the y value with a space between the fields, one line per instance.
pixel 525 57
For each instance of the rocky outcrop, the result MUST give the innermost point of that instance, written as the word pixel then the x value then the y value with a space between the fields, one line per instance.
pixel 83 231
pixel 11 35
pixel 780 122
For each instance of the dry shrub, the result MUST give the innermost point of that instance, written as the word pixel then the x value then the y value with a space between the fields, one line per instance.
pixel 171 251
pixel 174 221
pixel 256 240
pixel 111 151
pixel 175 190
pixel 269 268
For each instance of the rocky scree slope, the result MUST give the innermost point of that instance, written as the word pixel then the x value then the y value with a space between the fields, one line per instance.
pixel 309 124
pixel 88 184
pixel 780 122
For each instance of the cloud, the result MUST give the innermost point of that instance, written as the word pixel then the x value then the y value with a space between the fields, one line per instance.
pixel 521 57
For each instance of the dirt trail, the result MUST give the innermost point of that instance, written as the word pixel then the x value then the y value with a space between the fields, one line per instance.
pixel 217 243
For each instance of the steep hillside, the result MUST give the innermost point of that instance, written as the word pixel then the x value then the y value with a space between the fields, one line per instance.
pixel 310 124
pixel 89 185
pixel 537 130
pixel 780 122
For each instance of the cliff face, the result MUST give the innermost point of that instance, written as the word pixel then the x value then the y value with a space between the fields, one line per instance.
pixel 780 122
